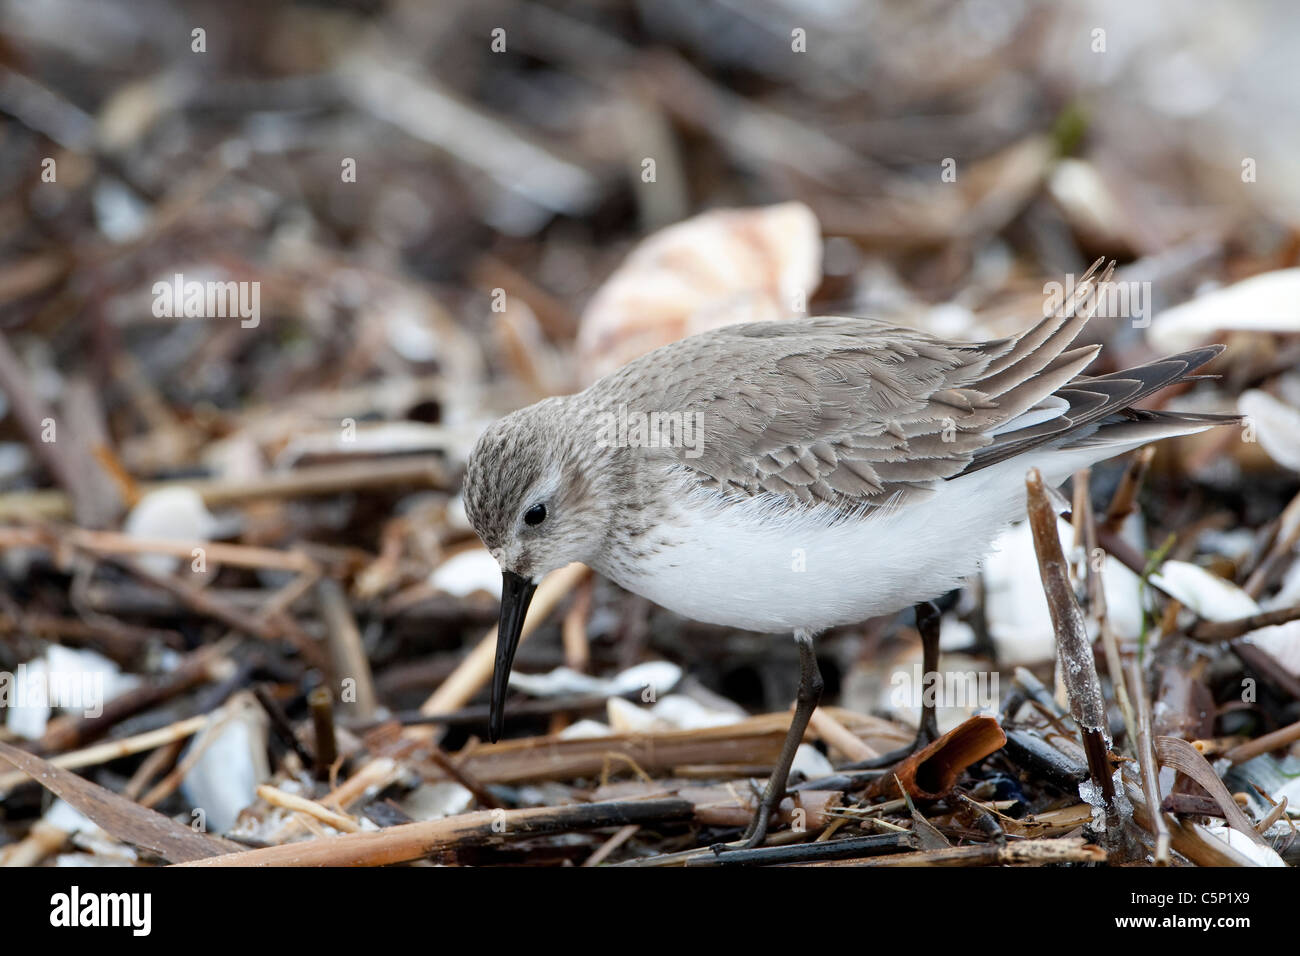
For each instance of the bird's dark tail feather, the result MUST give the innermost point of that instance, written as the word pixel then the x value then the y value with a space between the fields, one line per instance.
pixel 1100 410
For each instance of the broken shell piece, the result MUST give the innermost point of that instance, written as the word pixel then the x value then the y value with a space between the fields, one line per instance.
pixel 231 762
pixel 469 571
pixel 1262 303
pixel 1206 594
pixel 169 514
pixel 674 712
pixel 1277 426
pixel 719 268
pixel 656 676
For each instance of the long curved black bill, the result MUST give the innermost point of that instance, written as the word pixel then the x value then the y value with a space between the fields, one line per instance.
pixel 516 595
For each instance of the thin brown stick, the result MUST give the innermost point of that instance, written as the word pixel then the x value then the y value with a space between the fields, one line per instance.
pixel 1123 501
pixel 1227 630
pixel 1285 540
pixel 621 836
pixel 114 749
pixel 412 841
pixel 1262 745
pixel 1144 746
pixel 115 543
pixel 1097 599
pixel 156 763
pixel 467 780
pixel 321 704
pixel 352 476
pixel 290 801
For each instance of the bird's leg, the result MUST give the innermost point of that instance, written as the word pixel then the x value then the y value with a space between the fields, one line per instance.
pixel 927 622
pixel 810 693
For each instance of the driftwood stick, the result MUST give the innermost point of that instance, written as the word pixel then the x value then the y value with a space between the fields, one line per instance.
pixel 1029 750
pixel 117 815
pixel 60 455
pixel 377 773
pixel 1285 537
pixel 443 761
pixel 847 848
pixel 1080 673
pixel 116 543
pixel 840 737
pixel 1028 853
pixel 1267 667
pixel 413 841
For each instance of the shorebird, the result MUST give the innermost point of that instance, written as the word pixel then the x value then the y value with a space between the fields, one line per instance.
pixel 815 473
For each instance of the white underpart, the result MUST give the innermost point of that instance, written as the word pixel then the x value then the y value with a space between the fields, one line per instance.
pixel 736 563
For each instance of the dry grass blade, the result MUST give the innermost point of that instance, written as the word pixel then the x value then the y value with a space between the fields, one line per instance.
pixel 1182 756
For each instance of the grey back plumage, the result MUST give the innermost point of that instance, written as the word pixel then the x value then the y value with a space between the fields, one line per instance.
pixel 856 414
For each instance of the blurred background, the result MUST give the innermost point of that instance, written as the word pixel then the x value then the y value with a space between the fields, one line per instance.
pixel 451 210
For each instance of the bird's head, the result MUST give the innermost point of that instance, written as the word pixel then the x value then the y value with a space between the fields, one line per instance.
pixel 538 496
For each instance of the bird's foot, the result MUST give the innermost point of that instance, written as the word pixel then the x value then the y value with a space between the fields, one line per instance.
pixel 756 832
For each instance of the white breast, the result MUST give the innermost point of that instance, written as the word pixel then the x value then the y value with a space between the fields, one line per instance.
pixel 752 565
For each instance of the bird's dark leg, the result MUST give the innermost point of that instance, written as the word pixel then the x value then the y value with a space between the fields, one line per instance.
pixel 810 693
pixel 927 622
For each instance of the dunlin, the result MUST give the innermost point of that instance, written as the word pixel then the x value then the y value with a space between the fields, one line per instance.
pixel 795 476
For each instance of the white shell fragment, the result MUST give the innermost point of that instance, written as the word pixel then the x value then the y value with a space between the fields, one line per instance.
pixel 659 676
pixel 1276 426
pixel 432 801
pixel 1208 595
pixel 718 268
pixel 1262 303
pixel 74 681
pixel 231 764
pixel 169 514
pixel 1258 854
pixel 467 572
pixel 1282 643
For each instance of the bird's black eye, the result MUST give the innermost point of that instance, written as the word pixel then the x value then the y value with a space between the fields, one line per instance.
pixel 535 515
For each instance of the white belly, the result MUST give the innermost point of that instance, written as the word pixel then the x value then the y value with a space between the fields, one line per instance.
pixel 747 566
